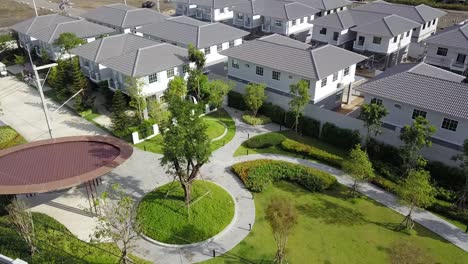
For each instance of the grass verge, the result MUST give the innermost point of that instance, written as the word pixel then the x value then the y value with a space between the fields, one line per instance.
pixel 9 137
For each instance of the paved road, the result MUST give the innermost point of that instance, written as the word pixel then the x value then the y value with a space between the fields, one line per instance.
pixel 54 7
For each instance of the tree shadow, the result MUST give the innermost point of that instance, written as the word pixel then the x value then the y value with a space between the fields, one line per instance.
pixel 332 213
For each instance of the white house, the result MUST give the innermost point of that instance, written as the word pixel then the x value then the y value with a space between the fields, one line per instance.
pixel 327 7
pixel 210 10
pixel 39 33
pixel 279 61
pixel 448 49
pixel 123 18
pixel 275 16
pixel 210 38
pixel 411 90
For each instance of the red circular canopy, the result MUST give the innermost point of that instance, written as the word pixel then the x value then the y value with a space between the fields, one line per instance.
pixel 55 164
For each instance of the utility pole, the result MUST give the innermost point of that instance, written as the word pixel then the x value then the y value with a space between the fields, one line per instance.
pixel 35 8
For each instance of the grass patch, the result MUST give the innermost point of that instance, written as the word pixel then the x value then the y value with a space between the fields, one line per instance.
pixel 166 219
pixel 215 128
pixel 12 12
pixel 91 116
pixel 56 244
pixel 333 228
pixel 10 137
pixel 223 116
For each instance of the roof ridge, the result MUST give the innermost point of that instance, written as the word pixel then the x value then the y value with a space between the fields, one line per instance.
pixel 30 25
pixel 278 44
pixel 311 53
pixel 59 24
pixel 135 64
pixel 339 19
pixel 417 11
pixel 99 49
pixel 432 77
pixel 286 10
pixel 463 33
pixel 386 24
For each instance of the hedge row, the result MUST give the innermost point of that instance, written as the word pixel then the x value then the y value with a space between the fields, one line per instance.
pixel 236 100
pixel 265 141
pixel 339 137
pixel 256 120
pixel 258 174
pixel 314 153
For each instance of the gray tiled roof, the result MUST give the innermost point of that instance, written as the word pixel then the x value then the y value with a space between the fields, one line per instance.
pixel 148 60
pixel 285 54
pixel 48 28
pixel 209 3
pixel 347 19
pixel 186 30
pixel 325 5
pixel 391 25
pixel 279 9
pixel 420 13
pixel 124 16
pixel 456 36
pixel 422 86
pixel 110 47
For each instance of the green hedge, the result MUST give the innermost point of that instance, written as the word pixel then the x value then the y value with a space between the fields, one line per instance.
pixel 448 210
pixel 340 137
pixel 310 127
pixel 236 100
pixel 265 140
pixel 311 152
pixel 276 113
pixel 258 174
pixel 256 120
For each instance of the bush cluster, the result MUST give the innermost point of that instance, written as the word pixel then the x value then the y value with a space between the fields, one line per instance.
pixel 258 174
pixel 256 120
pixel 7 134
pixel 311 152
pixel 236 100
pixel 449 210
pixel 265 141
pixel 340 137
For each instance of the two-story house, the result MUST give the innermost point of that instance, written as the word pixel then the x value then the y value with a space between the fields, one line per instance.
pixel 39 33
pixel 279 61
pixel 448 49
pixel 411 90
pixel 123 18
pixel 426 16
pixel 209 10
pixel 275 16
pixel 327 7
pixel 210 38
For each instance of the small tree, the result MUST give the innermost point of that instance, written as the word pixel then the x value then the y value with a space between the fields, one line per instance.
pixel 117 221
pixel 79 82
pixel 359 167
pixel 254 96
pixel 158 111
pixel 301 98
pixel 197 83
pixel 119 117
pixel 372 115
pixel 282 217
pixel 217 90
pixel 67 41
pixel 22 221
pixel 416 191
pixel 61 80
pixel 137 100
pixel 45 58
pixel 415 137
pixel 177 87
pixel 20 60
pixel 196 56
pixel 462 200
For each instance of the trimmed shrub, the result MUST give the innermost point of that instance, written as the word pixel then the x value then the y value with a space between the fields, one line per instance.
pixel 450 178
pixel 7 134
pixel 383 152
pixel 236 100
pixel 256 120
pixel 311 152
pixel 310 127
pixel 340 137
pixel 265 140
pixel 276 113
pixel 385 184
pixel 448 210
pixel 258 174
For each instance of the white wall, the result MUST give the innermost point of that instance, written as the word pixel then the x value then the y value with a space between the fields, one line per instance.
pixel 300 26
pixel 344 35
pixel 420 34
pixel 387 44
pixel 225 15
pixel 332 86
pixel 255 20
pixel 446 61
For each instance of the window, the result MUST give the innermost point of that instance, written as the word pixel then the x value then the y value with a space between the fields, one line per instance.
pixel 346 71
pixel 323 31
pixel 335 36
pixel 433 22
pixel 240 16
pixel 170 73
pixel 276 75
pixel 414 29
pixel 395 39
pixel 449 124
pixel 219 47
pixel 335 76
pixel 235 64
pixel 278 23
pixel 377 40
pixel 231 43
pixel 398 106
pixel 361 40
pixel 153 77
pixel 324 82
pixel 461 58
pixel 207 51
pixel 424 26
pixel 338 97
pixel 185 68
pixel 376 101
pixel 407 33
pixel 259 71
pixel 442 51
pixel 294 22
pixel 417 112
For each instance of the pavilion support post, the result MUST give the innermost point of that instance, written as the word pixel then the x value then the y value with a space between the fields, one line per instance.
pixel 89 198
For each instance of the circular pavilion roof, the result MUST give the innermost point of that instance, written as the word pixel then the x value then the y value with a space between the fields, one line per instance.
pixel 55 164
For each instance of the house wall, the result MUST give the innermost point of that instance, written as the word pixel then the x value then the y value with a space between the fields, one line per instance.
pixel 344 35
pixel 449 61
pixel 247 21
pixel 331 11
pixel 420 34
pixel 185 9
pixel 387 45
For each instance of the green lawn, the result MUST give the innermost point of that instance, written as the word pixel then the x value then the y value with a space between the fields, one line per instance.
pixel 333 228
pixel 56 244
pixel 9 137
pixel 167 219
pixel 215 128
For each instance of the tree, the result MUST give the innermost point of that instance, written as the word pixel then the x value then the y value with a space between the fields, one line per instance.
pixel 61 80
pixel 196 56
pixel 372 115
pixel 20 60
pixel 217 90
pixel 282 217
pixel 22 221
pixel 119 117
pixel 416 191
pixel 301 98
pixel 137 100
pixel 254 96
pixel 359 167
pixel 197 83
pixel 117 221
pixel 67 41
pixel 415 137
pixel 45 58
pixel 177 87
pixel 186 146
pixel 158 111
pixel 79 82
pixel 462 200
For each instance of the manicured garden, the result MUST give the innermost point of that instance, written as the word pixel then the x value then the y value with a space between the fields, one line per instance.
pixel 167 219
pixel 10 137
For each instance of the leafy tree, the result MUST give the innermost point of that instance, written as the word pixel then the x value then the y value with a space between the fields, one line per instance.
pixel 62 79
pixel 254 96
pixel 137 100
pixel 372 115
pixel 186 146
pixel 158 111
pixel 415 137
pixel 120 119
pixel 197 83
pixel 217 90
pixel 416 191
pixel 20 60
pixel 462 200
pixel 79 82
pixel 45 58
pixel 67 41
pixel 300 91
pixel 52 77
pixel 117 221
pixel 177 87
pixel 196 56
pixel 359 167
pixel 22 221
pixel 282 217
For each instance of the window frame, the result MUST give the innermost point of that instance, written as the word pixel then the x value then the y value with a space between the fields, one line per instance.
pixel 152 78
pixel 323 31
pixel 231 43
pixel 418 112
pixel 207 51
pixel 259 70
pixel 185 68
pixel 219 47
pixel 377 40
pixel 276 75
pixel 377 101
pixel 449 124
pixel 335 76
pixel 346 71
pixel 440 53
pixel 235 64
pixel 336 35
pixel 323 82
pixel 172 71
pixel 461 55
pixel 278 23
